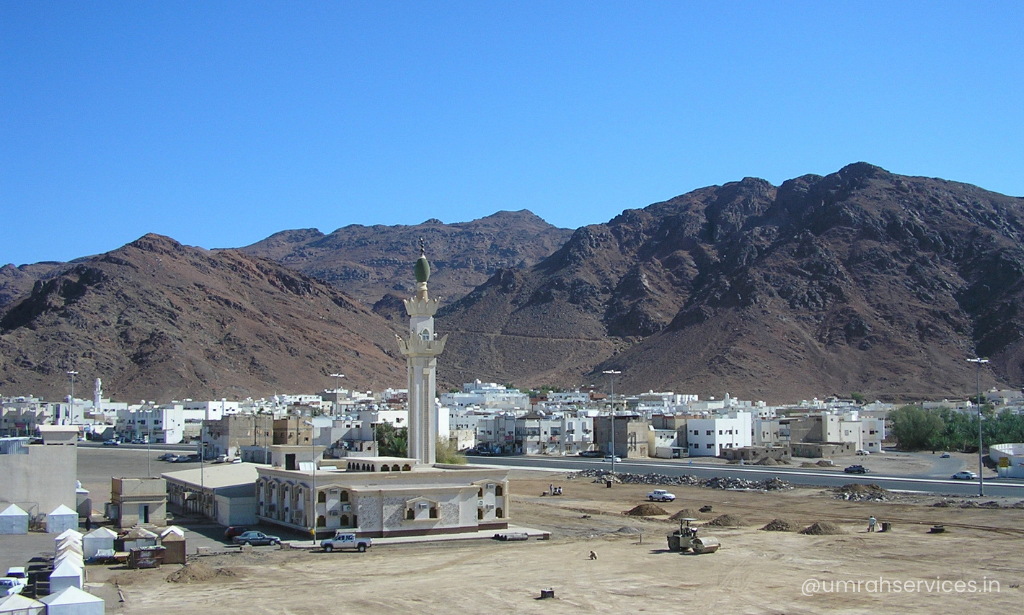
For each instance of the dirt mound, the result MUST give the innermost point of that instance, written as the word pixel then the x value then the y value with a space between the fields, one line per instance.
pixel 779 525
pixel 726 521
pixel 767 461
pixel 625 529
pixel 685 513
pixel 808 464
pixel 646 510
pixel 823 528
pixel 825 463
pixel 198 572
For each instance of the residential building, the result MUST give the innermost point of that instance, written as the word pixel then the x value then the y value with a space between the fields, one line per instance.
pixel 631 435
pixel 709 437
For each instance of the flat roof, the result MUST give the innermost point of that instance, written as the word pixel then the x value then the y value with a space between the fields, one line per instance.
pixel 216 476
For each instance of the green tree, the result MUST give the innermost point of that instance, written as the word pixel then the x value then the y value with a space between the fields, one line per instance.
pixel 391 441
pixel 916 428
pixel 447 453
pixel 857 397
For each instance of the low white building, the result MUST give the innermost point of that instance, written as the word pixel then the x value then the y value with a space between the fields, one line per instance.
pixel 384 496
pixel 487 395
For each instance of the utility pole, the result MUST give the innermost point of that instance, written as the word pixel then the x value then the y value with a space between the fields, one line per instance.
pixel 613 373
pixel 981 466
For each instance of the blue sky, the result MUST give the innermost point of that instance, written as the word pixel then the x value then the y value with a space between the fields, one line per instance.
pixel 220 123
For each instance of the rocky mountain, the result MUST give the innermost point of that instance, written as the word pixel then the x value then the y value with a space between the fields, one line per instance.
pixel 371 262
pixel 159 320
pixel 859 281
pixel 18 281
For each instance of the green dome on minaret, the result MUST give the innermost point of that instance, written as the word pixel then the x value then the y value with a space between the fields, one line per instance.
pixel 422 266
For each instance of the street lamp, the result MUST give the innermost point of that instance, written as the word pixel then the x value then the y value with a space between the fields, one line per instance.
pixel 72 373
pixel 337 387
pixel 981 466
pixel 613 373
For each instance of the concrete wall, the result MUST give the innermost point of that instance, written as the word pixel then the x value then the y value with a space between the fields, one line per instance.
pixel 40 481
pixel 236 510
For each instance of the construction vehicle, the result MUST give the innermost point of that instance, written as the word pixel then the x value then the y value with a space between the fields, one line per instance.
pixel 685 540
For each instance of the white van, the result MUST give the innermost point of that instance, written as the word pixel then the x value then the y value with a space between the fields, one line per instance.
pixel 345 540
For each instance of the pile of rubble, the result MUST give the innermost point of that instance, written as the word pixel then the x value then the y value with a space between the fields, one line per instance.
pixel 600 476
pixel 973 504
pixel 855 492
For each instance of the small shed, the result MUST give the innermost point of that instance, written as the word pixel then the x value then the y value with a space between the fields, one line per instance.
pixel 73 601
pixel 60 519
pixel 66 575
pixel 137 538
pixel 173 541
pixel 99 538
pixel 20 605
pixel 13 520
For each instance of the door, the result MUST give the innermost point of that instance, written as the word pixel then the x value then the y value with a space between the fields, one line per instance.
pixel 144 513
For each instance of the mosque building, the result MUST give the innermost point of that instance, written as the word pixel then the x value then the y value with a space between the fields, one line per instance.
pixel 389 496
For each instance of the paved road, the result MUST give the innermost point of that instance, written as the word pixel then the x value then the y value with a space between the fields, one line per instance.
pixel 796 476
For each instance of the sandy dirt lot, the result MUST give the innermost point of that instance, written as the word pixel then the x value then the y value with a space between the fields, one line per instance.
pixel 754 572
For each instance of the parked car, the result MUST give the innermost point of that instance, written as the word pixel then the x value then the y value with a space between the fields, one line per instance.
pixel 234 530
pixel 856 469
pixel 590 453
pixel 345 540
pixel 9 586
pixel 609 458
pixel 863 452
pixel 944 456
pixel 660 495
pixel 167 457
pixel 255 538
pixel 111 443
pixel 965 475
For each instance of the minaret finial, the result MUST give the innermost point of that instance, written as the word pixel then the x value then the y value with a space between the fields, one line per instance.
pixel 423 247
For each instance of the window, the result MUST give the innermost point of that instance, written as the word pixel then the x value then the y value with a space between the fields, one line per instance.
pixel 410 514
pixel 344 496
pixel 709 445
pixel 498 491
pixel 321 497
pixel 710 432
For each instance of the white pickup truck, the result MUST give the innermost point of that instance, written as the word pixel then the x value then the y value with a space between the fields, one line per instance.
pixel 345 540
pixel 660 495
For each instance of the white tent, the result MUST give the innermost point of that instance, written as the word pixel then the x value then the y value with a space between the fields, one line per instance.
pixel 66 575
pixel 60 519
pixel 70 533
pixel 68 544
pixel 139 537
pixel 73 601
pixel 20 605
pixel 99 538
pixel 68 556
pixel 13 520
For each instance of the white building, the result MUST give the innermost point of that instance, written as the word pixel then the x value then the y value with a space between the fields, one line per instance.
pixel 487 395
pixel 158 424
pixel 708 437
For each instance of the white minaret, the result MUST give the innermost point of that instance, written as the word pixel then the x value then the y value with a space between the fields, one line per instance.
pixel 421 349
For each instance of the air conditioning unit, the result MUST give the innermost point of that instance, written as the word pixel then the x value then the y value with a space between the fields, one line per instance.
pixel 333 513
pixel 346 507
